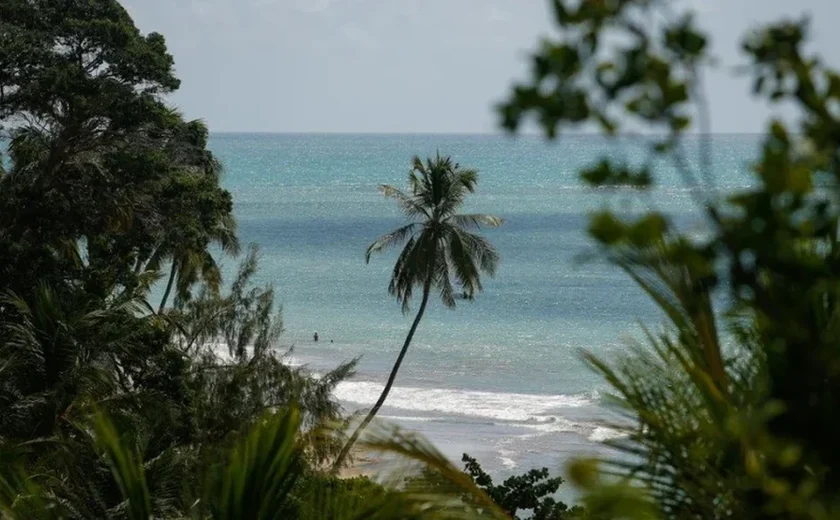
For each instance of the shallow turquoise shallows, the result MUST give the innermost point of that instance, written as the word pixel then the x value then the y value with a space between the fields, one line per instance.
pixel 500 377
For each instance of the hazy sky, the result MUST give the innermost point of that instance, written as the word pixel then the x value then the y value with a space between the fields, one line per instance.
pixel 403 65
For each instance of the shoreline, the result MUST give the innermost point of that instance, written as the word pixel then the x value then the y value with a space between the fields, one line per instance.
pixel 363 463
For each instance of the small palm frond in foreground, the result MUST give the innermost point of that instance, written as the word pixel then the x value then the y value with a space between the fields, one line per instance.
pixel 262 472
pixel 127 469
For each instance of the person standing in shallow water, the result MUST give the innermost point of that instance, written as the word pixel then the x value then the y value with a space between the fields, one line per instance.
pixel 315 337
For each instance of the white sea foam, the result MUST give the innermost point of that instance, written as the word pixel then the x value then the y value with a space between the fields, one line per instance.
pixel 556 425
pixel 406 418
pixel 505 457
pixel 221 351
pixel 602 433
pixel 499 406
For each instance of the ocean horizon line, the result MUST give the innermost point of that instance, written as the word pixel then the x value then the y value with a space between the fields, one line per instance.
pixel 518 135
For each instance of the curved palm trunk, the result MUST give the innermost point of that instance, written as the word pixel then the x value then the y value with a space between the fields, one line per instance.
pixel 168 285
pixel 372 413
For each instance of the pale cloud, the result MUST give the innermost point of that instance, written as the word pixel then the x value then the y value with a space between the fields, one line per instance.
pixel 494 14
pixel 341 65
pixel 706 6
pixel 204 7
pixel 409 7
pixel 359 36
pixel 312 6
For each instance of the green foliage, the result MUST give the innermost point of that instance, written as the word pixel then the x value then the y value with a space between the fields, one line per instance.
pixel 234 390
pixel 261 473
pixel 731 406
pixel 438 243
pixel 103 187
pixel 434 476
pixel 607 499
pixel 104 179
pixel 178 407
pixel 339 498
pixel 59 347
pixel 127 470
pixel 264 475
pixel 109 409
pixel 531 491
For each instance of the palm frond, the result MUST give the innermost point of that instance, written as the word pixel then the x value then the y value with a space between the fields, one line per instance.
pixel 21 498
pixel 442 280
pixel 225 235
pixel 414 267
pixel 262 472
pixel 678 389
pixel 480 250
pixel 475 221
pixel 463 262
pixel 410 207
pixel 453 494
pixel 392 239
pixel 418 166
pixel 686 303
pixel 452 187
pixel 126 468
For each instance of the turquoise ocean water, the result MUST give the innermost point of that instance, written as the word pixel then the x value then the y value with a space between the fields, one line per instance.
pixel 500 377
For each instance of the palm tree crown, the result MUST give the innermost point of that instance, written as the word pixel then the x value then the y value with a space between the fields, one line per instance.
pixel 439 242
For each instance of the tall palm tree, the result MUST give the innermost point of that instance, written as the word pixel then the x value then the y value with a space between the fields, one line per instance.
pixel 439 247
pixel 192 261
pixel 201 217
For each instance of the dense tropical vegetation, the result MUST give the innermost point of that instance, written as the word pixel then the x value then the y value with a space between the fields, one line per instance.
pixel 102 186
pixel 115 406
